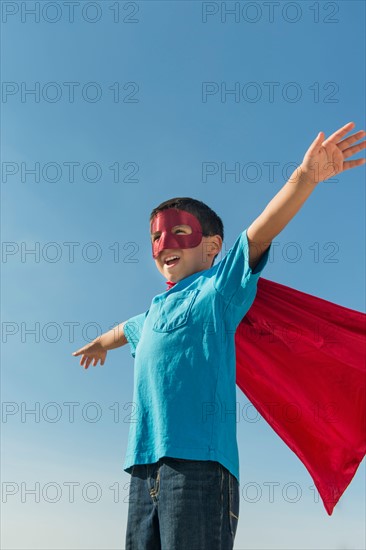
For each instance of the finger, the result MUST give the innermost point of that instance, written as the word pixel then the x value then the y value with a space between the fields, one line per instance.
pixel 88 361
pixel 339 133
pixel 353 150
pixel 342 145
pixel 353 163
pixel 316 143
pixel 75 353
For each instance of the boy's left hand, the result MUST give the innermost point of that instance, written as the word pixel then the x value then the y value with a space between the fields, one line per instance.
pixel 326 158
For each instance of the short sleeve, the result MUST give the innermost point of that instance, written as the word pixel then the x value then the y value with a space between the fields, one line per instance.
pixel 234 279
pixel 132 330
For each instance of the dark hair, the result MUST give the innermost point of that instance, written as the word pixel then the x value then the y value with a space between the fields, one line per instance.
pixel 211 223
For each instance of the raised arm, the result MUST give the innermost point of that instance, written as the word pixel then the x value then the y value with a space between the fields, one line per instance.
pixel 322 160
pixel 97 350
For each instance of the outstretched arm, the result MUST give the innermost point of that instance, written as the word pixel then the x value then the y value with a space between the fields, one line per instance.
pixel 322 160
pixel 97 349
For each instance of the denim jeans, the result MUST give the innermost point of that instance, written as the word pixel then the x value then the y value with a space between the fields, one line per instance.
pixel 179 504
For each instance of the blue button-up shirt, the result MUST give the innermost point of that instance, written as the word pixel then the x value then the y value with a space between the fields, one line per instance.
pixel 185 364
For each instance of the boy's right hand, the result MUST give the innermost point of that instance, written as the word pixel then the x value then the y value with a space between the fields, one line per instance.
pixel 91 352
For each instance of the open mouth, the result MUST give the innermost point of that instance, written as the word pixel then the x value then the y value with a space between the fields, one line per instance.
pixel 172 261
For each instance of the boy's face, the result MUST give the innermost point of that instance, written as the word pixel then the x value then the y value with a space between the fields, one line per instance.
pixel 176 232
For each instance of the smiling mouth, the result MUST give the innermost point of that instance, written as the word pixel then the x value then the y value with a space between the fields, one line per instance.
pixel 172 263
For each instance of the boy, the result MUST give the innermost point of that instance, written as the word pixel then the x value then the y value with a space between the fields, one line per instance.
pixel 182 451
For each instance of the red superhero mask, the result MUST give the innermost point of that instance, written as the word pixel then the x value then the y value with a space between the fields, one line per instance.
pixel 165 221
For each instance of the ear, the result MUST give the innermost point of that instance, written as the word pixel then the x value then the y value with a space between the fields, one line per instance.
pixel 212 246
pixel 216 244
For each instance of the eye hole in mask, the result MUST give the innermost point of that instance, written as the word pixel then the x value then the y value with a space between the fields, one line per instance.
pixel 187 230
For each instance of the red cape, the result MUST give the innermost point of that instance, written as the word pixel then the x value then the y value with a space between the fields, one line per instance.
pixel 300 360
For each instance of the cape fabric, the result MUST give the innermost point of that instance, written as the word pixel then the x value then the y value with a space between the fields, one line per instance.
pixel 300 360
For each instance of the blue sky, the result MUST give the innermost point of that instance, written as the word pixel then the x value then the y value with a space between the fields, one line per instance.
pixel 297 71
